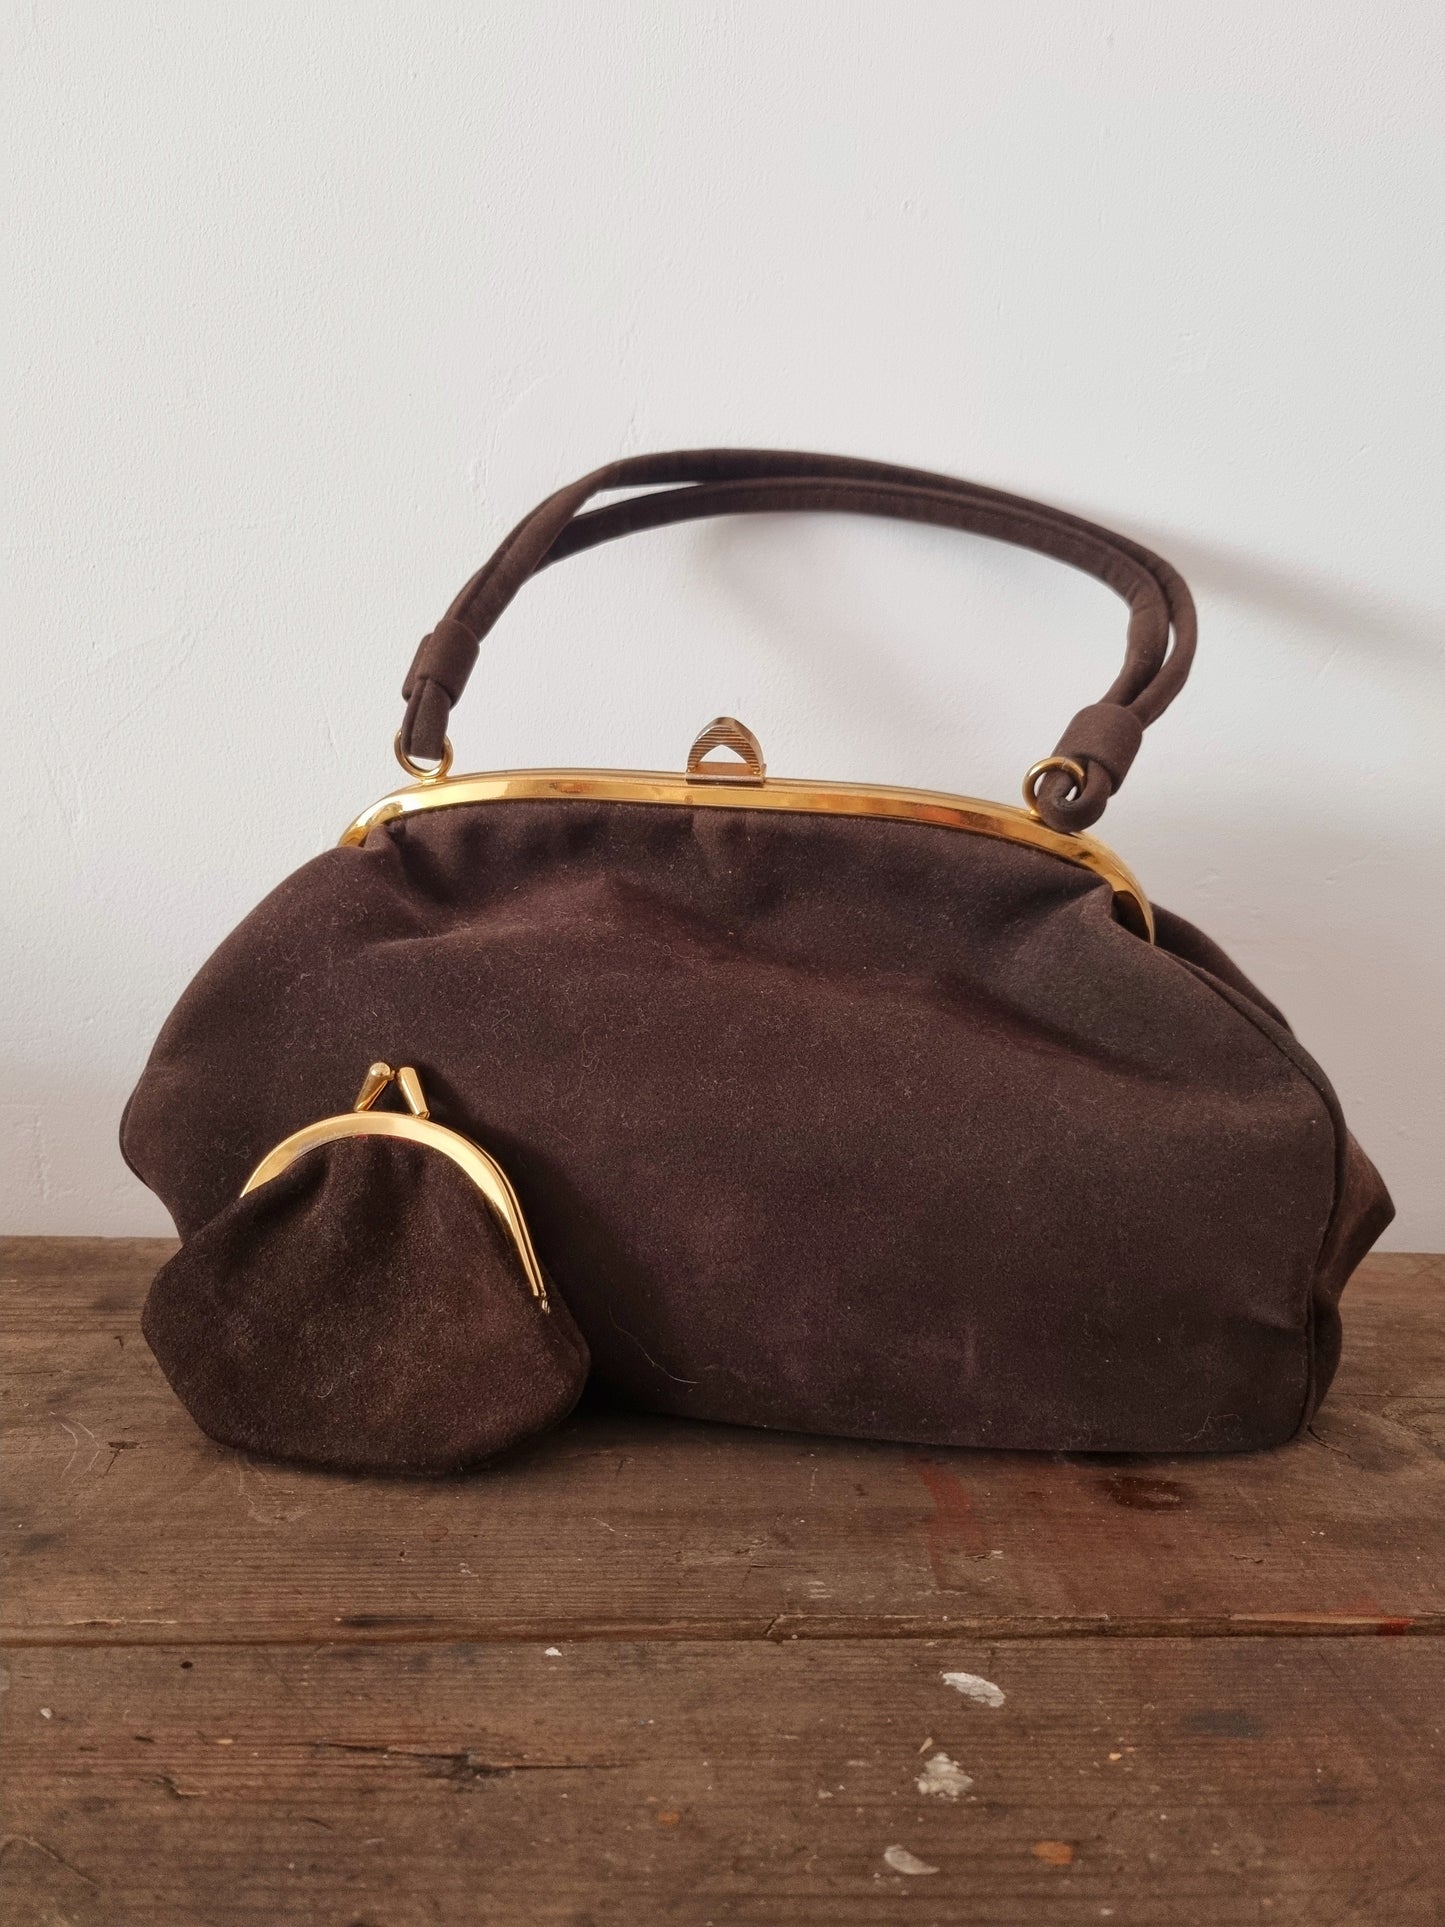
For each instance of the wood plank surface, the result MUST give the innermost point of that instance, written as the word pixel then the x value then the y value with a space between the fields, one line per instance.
pixel 646 1671
pixel 123 1524
pixel 1143 1782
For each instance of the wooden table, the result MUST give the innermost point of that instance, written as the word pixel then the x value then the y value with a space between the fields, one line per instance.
pixel 654 1672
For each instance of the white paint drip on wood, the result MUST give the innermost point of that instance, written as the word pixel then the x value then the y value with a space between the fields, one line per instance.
pixel 974 1688
pixel 943 1777
pixel 902 1861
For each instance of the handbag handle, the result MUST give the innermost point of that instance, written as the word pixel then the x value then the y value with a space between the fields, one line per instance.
pixel 1069 790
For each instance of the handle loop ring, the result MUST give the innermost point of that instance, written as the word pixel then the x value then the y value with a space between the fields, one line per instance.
pixel 419 770
pixel 1075 771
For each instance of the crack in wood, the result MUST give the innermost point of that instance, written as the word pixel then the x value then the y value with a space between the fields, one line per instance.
pixel 379 1630
pixel 39 1846
pixel 463 1763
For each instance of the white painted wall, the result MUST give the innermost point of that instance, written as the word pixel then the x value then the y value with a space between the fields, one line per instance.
pixel 307 303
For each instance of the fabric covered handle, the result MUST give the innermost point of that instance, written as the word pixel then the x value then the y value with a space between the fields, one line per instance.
pixel 1102 739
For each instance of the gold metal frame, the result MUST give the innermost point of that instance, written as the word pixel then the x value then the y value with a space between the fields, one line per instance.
pixel 439 791
pixel 418 1126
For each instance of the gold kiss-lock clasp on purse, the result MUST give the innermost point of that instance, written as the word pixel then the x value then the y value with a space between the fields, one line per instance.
pixel 416 1124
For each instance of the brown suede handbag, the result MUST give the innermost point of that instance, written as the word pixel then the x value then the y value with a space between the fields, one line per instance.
pixel 831 1107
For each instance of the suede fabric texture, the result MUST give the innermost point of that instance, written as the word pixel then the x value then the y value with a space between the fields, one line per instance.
pixel 363 1310
pixel 831 1124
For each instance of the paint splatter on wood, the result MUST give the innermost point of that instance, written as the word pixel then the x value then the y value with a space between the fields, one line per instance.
pixel 902 1861
pixel 943 1777
pixel 1053 1853
pixel 974 1688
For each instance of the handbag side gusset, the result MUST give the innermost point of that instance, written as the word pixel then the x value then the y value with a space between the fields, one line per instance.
pixel 1361 1206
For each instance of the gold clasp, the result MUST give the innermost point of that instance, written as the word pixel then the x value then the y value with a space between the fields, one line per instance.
pixel 417 1125
pixel 726 732
pixel 406 1081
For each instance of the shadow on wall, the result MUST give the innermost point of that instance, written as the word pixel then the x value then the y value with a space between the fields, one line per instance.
pixel 1408 634
pixel 837 643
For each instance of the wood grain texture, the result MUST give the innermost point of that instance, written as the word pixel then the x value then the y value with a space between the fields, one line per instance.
pixel 124 1524
pixel 652 1672
pixel 1144 1782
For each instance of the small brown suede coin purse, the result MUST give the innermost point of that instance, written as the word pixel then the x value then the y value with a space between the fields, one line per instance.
pixel 370 1301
